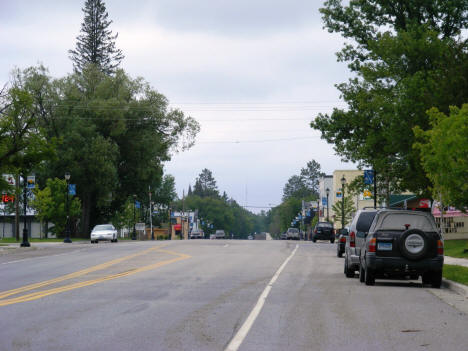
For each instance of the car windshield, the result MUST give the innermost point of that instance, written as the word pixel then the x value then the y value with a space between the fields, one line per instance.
pixel 103 227
pixel 293 230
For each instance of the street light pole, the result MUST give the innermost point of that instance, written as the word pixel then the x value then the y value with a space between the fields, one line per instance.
pixel 328 193
pixel 343 183
pixel 25 242
pixel 134 218
pixel 67 223
pixel 151 219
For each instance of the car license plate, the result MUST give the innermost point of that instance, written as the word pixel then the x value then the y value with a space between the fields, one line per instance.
pixel 384 246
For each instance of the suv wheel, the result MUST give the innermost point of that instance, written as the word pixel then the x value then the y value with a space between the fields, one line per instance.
pixel 349 273
pixel 314 240
pixel 361 274
pixel 369 278
pixel 436 279
pixel 332 240
pixel 414 244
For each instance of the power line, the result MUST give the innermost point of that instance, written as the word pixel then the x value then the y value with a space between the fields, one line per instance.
pixel 257 141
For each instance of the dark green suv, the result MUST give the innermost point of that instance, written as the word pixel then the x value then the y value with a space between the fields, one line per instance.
pixel 401 244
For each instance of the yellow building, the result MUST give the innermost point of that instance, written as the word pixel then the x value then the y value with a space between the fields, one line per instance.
pixel 359 200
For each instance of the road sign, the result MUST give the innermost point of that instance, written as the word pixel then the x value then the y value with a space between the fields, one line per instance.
pixel 137 204
pixel 367 194
pixel 71 189
pixel 368 176
pixel 140 226
pixel 9 179
pixel 338 194
pixel 31 181
pixel 324 201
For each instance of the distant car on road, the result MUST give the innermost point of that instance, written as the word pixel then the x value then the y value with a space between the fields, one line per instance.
pixel 292 234
pixel 283 236
pixel 104 232
pixel 323 231
pixel 341 244
pixel 212 236
pixel 250 237
pixel 220 234
pixel 197 234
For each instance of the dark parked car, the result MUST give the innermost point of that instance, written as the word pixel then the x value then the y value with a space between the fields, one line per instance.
pixel 401 244
pixel 357 230
pixel 341 235
pixel 323 231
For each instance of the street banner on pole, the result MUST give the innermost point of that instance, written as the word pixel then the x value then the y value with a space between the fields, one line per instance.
pixel 368 176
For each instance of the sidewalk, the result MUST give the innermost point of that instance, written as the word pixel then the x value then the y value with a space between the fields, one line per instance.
pixel 456 261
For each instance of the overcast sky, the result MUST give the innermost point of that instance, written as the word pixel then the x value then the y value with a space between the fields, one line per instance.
pixel 254 73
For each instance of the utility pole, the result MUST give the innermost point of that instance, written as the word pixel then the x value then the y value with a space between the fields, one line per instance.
pixel 17 209
pixel 150 212
pixel 183 214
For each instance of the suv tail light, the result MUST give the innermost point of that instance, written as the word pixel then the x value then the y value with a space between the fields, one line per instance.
pixel 352 239
pixel 342 239
pixel 440 247
pixel 372 244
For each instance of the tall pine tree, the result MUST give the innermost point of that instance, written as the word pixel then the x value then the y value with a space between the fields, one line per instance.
pixel 96 44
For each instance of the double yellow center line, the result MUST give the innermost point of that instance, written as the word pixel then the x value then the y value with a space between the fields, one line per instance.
pixel 43 293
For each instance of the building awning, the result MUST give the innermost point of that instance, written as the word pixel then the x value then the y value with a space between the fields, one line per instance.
pixel 396 200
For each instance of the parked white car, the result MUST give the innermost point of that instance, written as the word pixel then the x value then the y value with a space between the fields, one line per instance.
pixel 104 232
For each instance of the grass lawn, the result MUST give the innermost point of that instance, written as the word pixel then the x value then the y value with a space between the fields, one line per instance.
pixel 454 248
pixel 457 274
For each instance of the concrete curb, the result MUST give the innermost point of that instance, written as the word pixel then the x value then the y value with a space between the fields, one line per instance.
pixel 456 287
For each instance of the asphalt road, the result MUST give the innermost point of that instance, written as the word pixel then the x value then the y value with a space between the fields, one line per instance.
pixel 213 295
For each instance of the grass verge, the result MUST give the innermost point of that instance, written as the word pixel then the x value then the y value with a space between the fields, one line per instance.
pixel 457 274
pixel 455 248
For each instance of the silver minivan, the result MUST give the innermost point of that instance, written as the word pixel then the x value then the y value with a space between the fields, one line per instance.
pixel 357 233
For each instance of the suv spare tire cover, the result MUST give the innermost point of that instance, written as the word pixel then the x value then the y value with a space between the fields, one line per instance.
pixel 414 244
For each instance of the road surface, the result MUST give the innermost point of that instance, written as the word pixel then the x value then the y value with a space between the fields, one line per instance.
pixel 213 295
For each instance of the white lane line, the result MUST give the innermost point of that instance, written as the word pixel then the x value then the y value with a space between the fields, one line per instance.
pixel 244 330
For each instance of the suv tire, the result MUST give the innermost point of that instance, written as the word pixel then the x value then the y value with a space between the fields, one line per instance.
pixel 314 240
pixel 349 273
pixel 332 240
pixel 369 278
pixel 436 279
pixel 361 274
pixel 415 235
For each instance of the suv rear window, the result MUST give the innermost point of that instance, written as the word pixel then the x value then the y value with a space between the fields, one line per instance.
pixel 293 230
pixel 398 221
pixel 325 224
pixel 364 221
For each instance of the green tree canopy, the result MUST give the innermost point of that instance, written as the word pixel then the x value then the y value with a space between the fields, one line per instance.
pixel 96 44
pixel 205 185
pixel 115 132
pixel 444 152
pixel 407 56
pixel 51 205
